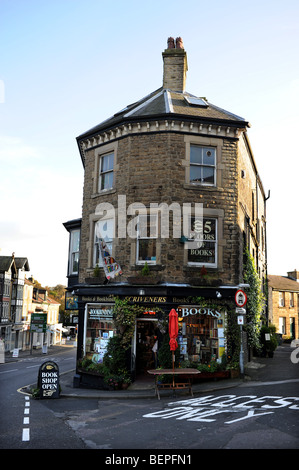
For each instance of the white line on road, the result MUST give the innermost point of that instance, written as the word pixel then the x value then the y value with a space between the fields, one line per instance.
pixel 26 420
pixel 26 434
pixel 10 370
pixel 30 367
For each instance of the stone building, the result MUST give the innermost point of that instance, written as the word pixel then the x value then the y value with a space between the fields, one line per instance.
pixel 171 186
pixel 283 293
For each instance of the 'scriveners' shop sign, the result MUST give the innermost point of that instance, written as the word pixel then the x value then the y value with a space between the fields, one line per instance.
pixel 48 380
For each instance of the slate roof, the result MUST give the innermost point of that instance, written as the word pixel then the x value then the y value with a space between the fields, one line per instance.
pixel 283 283
pixel 6 262
pixel 171 105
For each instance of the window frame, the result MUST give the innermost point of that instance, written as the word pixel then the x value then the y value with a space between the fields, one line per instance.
pixel 140 236
pixel 215 242
pixel 203 165
pixel 74 252
pixel 109 171
pixel 109 242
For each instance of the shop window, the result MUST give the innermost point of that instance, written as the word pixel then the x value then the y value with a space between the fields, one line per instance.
pixel 204 235
pixel 104 230
pixel 147 231
pixel 201 334
pixel 202 165
pixel 99 329
pixel 106 172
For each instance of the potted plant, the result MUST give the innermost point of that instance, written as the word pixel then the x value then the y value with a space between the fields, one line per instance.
pixel 145 277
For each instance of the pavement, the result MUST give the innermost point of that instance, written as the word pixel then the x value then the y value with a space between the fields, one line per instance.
pixel 258 370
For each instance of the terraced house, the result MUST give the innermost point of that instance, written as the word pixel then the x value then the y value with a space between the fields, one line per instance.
pixel 172 188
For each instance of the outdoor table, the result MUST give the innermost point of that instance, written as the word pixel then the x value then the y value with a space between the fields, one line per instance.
pixel 185 379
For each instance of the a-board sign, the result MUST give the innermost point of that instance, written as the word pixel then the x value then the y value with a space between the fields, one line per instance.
pixel 48 380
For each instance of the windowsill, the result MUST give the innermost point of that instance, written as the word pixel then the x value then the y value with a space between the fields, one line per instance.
pixel 103 193
pixel 201 187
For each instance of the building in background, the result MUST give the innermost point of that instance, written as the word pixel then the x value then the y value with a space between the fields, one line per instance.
pixel 12 278
pixel 144 169
pixel 283 292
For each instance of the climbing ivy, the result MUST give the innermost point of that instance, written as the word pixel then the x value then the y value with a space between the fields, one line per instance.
pixel 255 301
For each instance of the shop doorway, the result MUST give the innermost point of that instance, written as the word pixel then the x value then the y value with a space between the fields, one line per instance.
pixel 147 336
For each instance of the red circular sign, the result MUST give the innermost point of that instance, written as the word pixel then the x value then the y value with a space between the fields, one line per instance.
pixel 240 298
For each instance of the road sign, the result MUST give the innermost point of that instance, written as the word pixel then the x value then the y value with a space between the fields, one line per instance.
pixel 38 322
pixel 240 320
pixel 240 298
pixel 241 310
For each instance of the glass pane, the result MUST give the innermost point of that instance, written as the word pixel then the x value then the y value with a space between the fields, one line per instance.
pixel 104 230
pixel 207 175
pixel 75 262
pixel 195 154
pixel 75 240
pixel 147 250
pixel 205 254
pixel 106 181
pixel 209 155
pixel 195 174
pixel 107 162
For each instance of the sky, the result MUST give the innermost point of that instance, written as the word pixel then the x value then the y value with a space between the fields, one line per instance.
pixel 67 65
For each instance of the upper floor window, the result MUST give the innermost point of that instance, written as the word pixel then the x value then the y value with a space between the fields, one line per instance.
pixel 202 165
pixel 74 252
pixel 104 230
pixel 106 171
pixel 205 234
pixel 147 232
pixel 281 299
pixel 291 299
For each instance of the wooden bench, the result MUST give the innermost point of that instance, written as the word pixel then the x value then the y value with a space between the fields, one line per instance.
pixel 185 377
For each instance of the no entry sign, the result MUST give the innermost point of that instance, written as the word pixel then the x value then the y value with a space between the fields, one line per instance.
pixel 240 298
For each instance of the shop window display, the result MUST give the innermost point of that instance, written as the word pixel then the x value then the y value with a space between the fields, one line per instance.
pixel 201 337
pixel 99 329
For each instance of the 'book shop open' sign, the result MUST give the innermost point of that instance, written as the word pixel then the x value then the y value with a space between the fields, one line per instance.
pixel 48 380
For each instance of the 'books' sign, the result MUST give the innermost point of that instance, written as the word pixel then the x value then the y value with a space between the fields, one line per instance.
pixel 48 380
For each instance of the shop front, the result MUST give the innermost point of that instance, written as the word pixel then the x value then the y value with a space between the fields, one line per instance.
pixel 201 336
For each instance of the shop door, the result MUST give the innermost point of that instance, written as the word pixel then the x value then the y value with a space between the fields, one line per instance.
pixel 146 336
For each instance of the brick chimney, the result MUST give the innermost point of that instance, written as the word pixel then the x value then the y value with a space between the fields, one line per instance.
pixel 175 65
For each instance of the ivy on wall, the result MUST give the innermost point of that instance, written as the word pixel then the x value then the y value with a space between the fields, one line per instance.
pixel 255 301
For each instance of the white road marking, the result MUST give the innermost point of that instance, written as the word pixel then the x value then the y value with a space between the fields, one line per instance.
pixel 26 434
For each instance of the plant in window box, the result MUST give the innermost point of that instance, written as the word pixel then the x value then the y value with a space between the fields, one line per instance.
pixel 98 276
pixel 145 277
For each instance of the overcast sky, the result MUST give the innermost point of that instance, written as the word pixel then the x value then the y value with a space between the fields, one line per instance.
pixel 67 65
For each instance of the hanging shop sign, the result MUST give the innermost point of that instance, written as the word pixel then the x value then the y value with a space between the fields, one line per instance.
pixel 185 310
pixel 48 380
